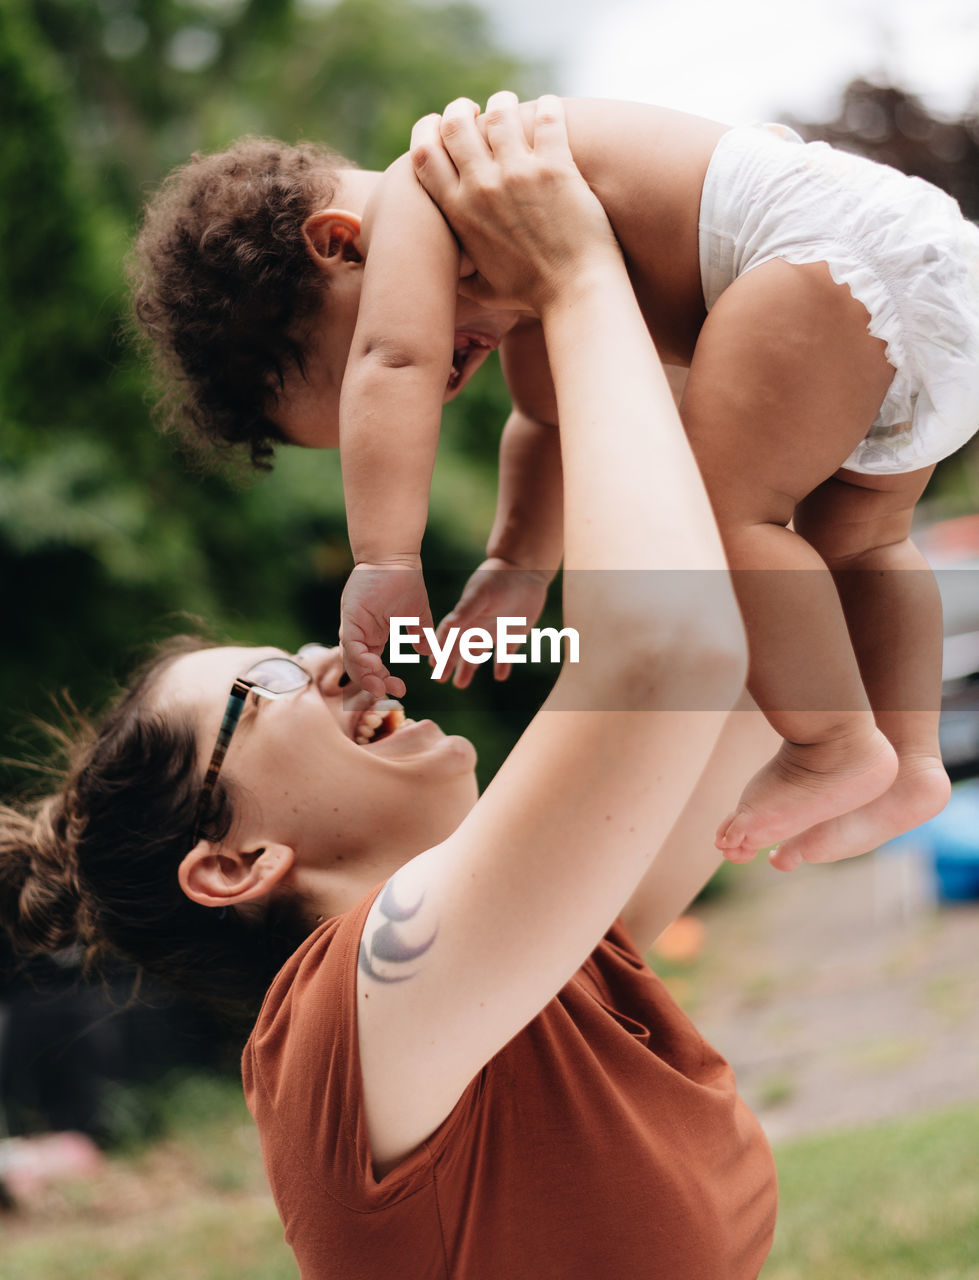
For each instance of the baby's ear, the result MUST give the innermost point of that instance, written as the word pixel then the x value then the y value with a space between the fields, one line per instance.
pixel 333 236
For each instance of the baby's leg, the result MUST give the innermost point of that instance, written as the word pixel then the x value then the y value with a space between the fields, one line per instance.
pixel 784 383
pixel 860 525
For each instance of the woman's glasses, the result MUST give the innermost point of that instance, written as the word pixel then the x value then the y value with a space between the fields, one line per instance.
pixel 270 678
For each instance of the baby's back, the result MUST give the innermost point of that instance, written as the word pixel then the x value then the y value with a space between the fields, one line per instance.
pixel 647 164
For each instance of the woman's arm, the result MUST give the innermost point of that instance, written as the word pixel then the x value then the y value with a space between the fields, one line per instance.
pixel 505 910
pixel 688 857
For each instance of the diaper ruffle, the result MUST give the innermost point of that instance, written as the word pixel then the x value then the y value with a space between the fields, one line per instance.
pixel 900 245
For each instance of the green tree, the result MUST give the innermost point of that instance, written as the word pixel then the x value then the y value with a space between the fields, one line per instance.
pixel 153 80
pixel 107 535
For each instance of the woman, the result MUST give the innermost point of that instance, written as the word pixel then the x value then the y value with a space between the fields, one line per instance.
pixel 464 1068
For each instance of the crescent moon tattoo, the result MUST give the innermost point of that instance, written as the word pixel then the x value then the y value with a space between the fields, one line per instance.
pixel 386 943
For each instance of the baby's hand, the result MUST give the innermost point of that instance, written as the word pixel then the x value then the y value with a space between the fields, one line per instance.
pixel 374 594
pixel 497 589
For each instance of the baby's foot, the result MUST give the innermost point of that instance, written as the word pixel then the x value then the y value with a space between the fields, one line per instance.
pixel 806 784
pixel 920 790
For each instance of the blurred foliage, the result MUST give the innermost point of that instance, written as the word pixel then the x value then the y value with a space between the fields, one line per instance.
pixel 153 80
pixel 894 127
pixel 108 538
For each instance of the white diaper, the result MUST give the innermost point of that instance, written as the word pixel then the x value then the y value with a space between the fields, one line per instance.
pixel 900 244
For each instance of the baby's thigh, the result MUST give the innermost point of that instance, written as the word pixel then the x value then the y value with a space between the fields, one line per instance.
pixel 785 381
pixel 850 514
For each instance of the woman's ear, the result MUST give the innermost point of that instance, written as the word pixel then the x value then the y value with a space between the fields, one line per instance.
pixel 221 876
pixel 332 236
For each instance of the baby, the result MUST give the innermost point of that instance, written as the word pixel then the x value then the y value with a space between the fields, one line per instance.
pixel 827 309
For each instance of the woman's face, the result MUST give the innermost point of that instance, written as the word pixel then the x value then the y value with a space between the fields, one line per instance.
pixel 303 774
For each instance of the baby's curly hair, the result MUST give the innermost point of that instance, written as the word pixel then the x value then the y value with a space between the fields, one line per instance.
pixel 222 283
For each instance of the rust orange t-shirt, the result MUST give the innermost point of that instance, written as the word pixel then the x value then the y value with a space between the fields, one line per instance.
pixel 605 1141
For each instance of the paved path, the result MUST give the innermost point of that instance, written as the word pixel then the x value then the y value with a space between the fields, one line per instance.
pixel 841 994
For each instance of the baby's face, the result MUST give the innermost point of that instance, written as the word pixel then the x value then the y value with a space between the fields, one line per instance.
pixel 478 331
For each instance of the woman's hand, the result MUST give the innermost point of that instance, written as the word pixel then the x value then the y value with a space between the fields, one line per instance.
pixel 522 211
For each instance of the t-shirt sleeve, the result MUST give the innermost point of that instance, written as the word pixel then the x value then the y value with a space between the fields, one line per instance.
pixel 301 1072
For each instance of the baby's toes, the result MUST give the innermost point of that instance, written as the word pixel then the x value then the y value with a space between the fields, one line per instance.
pixel 743 852
pixel 785 857
pixel 733 833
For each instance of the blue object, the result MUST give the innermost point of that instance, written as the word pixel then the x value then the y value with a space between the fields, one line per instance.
pixel 952 841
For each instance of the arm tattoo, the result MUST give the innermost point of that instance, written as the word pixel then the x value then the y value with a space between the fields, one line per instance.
pixel 386 943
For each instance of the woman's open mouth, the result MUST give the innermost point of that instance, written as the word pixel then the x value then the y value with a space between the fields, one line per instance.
pixel 380 720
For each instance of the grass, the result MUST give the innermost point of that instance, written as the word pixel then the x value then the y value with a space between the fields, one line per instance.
pixel 952 996
pixel 896 1201
pixel 776 1089
pixel 193 1203
pixel 203 1243
pixel 882 1055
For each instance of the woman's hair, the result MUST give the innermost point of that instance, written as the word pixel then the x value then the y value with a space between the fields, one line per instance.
pixel 96 863
pixel 222 283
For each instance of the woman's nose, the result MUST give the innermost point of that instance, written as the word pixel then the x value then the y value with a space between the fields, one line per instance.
pixel 325 665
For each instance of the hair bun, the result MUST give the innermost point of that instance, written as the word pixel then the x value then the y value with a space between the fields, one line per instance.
pixel 39 899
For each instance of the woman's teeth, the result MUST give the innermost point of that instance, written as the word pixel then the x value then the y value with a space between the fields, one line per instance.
pixel 459 358
pixel 381 720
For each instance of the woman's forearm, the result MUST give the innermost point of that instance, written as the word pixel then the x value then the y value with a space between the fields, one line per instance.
pixel 615 404
pixel 624 449
pixel 646 586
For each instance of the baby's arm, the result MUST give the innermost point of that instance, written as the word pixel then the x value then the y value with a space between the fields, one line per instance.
pixel 527 532
pixel 524 548
pixel 528 528
pixel 525 545
pixel 390 413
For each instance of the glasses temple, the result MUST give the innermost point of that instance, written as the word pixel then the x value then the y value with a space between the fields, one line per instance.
pixel 232 714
